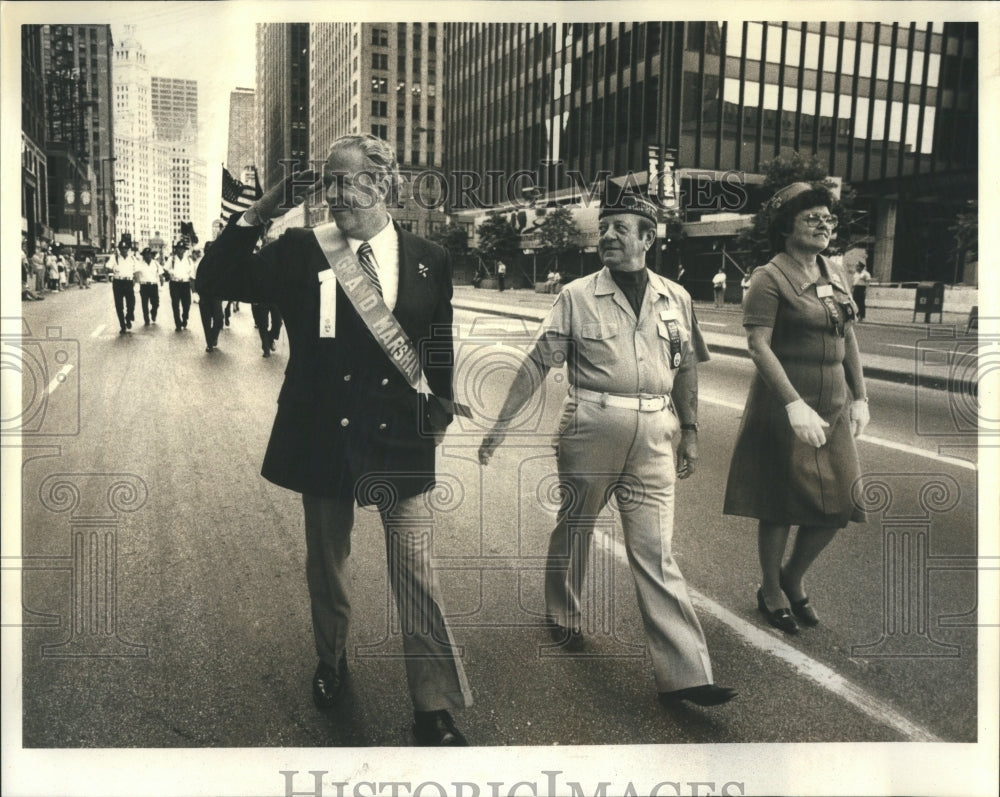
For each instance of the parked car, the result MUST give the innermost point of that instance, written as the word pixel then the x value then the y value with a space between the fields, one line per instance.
pixel 101 270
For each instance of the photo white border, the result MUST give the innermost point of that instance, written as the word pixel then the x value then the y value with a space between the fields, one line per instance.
pixel 842 769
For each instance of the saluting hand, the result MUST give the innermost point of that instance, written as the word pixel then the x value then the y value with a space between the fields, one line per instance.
pixel 289 193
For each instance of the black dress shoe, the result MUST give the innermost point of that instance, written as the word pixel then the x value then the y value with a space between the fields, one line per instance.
pixel 572 638
pixel 436 729
pixel 800 608
pixel 780 618
pixel 328 684
pixel 706 695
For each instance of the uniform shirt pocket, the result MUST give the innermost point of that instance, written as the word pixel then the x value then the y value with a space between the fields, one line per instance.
pixel 599 342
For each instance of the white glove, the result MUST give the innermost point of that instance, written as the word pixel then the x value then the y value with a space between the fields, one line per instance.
pixel 860 416
pixel 806 423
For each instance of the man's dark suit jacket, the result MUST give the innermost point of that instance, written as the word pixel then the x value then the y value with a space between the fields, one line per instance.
pixel 348 423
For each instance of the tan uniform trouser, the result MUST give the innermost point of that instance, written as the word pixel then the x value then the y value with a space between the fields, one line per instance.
pixel 603 451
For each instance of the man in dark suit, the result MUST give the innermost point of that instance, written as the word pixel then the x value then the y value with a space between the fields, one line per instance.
pixel 350 428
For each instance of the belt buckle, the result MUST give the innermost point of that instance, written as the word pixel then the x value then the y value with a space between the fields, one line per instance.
pixel 646 403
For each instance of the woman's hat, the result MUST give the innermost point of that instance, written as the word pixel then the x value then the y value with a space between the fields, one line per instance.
pixel 788 193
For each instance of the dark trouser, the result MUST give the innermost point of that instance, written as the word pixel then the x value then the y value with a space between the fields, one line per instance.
pixel 149 292
pixel 269 329
pixel 231 307
pixel 501 278
pixel 211 319
pixel 860 292
pixel 434 670
pixel 124 293
pixel 180 300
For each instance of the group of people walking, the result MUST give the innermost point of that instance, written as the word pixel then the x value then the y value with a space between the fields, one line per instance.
pixel 368 396
pixel 129 267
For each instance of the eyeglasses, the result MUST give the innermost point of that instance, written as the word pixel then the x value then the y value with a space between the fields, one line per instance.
pixel 815 219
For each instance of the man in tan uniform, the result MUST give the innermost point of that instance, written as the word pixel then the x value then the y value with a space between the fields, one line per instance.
pixel 632 346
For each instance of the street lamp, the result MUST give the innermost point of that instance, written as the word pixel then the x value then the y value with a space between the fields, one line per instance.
pixel 105 184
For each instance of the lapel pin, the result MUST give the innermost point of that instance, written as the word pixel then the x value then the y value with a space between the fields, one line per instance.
pixel 422 270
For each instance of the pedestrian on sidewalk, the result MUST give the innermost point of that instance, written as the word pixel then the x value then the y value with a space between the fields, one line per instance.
pixel 351 428
pixel 719 286
pixel 795 460
pixel 501 274
pixel 616 440
pixel 745 285
pixel 861 279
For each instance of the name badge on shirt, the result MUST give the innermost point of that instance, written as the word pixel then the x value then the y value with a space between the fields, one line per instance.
pixel 822 291
pixel 327 304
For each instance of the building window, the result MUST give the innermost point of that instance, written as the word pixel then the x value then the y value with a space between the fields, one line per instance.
pixel 382 131
pixel 380 108
pixel 380 61
pixel 380 37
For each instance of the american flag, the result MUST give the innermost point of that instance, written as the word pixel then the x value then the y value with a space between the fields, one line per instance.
pixel 237 197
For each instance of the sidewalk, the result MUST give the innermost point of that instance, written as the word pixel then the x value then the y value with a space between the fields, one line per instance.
pixel 935 372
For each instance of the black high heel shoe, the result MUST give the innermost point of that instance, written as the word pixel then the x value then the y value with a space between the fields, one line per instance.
pixel 780 618
pixel 800 608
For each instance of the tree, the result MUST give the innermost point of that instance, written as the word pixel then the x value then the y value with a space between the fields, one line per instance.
pixel 558 233
pixel 966 235
pixel 497 239
pixel 452 237
pixel 794 167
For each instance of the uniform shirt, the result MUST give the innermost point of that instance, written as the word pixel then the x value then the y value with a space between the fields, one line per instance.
pixel 123 268
pixel 719 280
pixel 148 272
pixel 594 331
pixel 181 268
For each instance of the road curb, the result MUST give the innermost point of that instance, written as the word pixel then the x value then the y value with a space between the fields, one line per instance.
pixel 881 374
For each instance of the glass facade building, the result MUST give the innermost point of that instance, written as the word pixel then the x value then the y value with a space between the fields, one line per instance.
pixel 890 108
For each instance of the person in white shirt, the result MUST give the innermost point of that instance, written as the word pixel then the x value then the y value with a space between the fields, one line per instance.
pixel 149 286
pixel 719 286
pixel 181 272
pixel 123 276
pixel 861 277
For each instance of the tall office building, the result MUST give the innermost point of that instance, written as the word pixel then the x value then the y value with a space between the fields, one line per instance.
pixel 890 108
pixel 34 165
pixel 188 190
pixel 76 63
pixel 174 107
pixel 384 79
pixel 142 164
pixel 242 131
pixel 282 99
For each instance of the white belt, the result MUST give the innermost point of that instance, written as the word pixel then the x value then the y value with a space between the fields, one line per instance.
pixel 642 403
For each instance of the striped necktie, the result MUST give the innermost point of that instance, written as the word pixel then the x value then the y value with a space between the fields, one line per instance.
pixel 367 260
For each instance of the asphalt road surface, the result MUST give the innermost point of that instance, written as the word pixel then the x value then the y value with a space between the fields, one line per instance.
pixel 164 598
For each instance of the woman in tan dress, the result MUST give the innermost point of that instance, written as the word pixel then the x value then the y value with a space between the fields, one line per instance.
pixel 795 461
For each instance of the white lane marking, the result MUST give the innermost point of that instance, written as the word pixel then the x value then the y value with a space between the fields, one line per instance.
pixel 820 674
pixel 59 378
pixel 98 331
pixel 876 441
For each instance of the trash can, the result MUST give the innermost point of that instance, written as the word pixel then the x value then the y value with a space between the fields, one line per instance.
pixel 929 300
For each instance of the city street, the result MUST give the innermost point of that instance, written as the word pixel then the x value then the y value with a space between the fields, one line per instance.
pixel 164 593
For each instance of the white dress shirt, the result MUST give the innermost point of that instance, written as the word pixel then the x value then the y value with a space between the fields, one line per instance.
pixel 385 250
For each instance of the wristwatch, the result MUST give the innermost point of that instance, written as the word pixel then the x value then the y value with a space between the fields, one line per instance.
pixel 689 427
